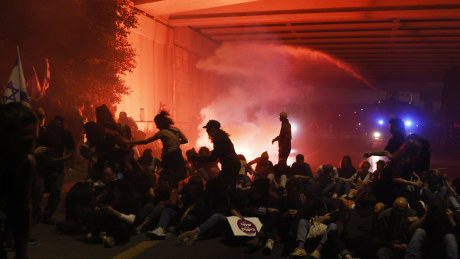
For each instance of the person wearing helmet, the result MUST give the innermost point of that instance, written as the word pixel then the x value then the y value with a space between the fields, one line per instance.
pixel 284 138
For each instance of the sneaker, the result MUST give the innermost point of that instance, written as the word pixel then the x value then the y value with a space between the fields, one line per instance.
pixel 185 237
pixel 182 238
pixel 108 241
pixel 156 234
pixel 268 248
pixel 299 252
pixel 192 238
pixel 315 255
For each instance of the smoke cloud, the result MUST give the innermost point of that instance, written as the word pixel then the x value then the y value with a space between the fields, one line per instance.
pixel 257 82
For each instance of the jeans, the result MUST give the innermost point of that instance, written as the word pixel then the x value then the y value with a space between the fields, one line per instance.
pixel 342 187
pixel 414 248
pixel 151 211
pixel 211 222
pixel 189 223
pixel 303 227
pixel 453 202
pixel 330 227
pixel 336 242
pixel 166 215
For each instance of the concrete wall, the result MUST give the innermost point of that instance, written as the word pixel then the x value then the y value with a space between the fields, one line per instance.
pixel 166 75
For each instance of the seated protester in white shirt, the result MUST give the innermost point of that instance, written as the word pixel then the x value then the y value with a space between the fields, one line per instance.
pixel 357 180
pixel 363 175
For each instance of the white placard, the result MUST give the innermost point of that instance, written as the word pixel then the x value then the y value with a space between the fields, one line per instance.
pixel 244 227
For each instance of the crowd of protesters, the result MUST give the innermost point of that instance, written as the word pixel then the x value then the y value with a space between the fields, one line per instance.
pixel 403 209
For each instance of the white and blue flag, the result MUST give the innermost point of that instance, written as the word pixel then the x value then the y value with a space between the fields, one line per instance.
pixel 16 90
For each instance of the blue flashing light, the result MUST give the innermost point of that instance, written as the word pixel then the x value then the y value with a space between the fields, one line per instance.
pixel 380 122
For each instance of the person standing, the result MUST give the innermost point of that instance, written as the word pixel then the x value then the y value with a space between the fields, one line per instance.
pixel 18 132
pixel 172 161
pixel 398 137
pixel 284 138
pixel 225 152
pixel 124 119
pixel 55 145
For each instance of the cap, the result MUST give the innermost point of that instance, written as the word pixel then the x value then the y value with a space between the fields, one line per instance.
pixel 212 124
pixel 283 115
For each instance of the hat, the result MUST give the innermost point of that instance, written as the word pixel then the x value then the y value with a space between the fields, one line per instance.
pixel 283 115
pixel 212 124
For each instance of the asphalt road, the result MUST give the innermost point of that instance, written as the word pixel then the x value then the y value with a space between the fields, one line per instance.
pixel 53 246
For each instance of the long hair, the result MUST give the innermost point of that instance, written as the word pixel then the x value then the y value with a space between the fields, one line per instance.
pixel 163 121
pixel 105 118
pixel 346 163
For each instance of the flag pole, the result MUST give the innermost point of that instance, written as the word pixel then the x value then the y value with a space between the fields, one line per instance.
pixel 21 79
pixel 21 72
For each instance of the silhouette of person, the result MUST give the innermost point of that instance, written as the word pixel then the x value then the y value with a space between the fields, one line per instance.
pixel 284 138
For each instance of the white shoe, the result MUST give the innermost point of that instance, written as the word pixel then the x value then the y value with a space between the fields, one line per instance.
pixel 108 241
pixel 157 233
pixel 268 248
pixel 130 219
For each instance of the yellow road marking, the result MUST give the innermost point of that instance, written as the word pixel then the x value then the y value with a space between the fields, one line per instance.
pixel 136 250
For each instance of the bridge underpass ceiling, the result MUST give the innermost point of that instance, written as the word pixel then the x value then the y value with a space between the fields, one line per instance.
pixel 387 40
